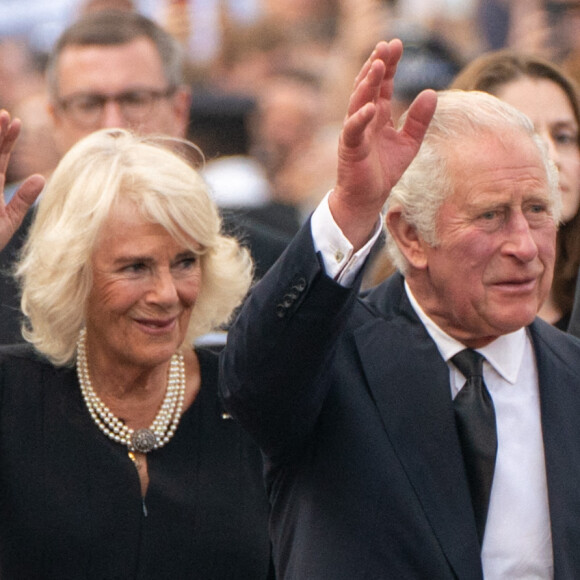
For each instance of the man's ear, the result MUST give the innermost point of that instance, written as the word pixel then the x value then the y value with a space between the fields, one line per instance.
pixel 408 240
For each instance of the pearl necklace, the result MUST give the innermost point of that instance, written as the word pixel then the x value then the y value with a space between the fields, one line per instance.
pixel 165 423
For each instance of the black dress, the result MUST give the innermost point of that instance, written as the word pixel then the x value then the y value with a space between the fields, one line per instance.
pixel 70 498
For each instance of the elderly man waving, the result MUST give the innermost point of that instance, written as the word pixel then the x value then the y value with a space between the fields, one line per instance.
pixel 428 431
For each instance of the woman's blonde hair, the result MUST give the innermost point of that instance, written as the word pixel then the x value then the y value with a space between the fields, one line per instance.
pixel 108 166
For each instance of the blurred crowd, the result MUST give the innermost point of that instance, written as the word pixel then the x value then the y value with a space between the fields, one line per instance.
pixel 270 80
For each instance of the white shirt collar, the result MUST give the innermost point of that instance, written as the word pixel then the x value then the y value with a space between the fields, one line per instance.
pixel 505 354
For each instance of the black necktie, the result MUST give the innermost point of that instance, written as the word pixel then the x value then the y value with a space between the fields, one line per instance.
pixel 475 419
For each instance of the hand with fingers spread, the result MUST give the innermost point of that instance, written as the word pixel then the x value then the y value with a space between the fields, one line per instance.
pixel 372 154
pixel 12 214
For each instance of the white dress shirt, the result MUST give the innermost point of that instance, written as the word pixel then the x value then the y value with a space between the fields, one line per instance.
pixel 517 543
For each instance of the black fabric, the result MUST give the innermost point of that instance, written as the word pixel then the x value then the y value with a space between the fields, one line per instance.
pixel 574 322
pixel 10 313
pixel 351 401
pixel 475 417
pixel 70 498
pixel 265 243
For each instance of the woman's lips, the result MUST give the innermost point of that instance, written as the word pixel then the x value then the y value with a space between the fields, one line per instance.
pixel 158 326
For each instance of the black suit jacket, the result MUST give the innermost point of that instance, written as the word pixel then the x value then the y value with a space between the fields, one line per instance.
pixel 350 401
pixel 574 322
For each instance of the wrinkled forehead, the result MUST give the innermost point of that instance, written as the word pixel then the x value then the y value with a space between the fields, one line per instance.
pixel 489 148
pixel 513 153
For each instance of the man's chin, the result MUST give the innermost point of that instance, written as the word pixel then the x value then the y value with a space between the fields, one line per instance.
pixel 478 338
pixel 511 323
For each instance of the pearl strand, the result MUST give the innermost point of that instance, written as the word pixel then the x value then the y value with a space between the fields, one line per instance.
pixel 166 421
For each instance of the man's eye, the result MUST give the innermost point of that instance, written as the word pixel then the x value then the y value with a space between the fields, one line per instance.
pixel 135 99
pixel 88 104
pixel 538 208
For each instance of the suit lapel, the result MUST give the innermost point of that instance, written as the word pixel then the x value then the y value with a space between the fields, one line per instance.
pixel 410 386
pixel 560 401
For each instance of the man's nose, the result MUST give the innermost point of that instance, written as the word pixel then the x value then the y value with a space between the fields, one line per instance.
pixel 521 242
pixel 112 116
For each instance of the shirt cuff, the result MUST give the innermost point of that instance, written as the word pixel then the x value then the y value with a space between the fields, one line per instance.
pixel 340 262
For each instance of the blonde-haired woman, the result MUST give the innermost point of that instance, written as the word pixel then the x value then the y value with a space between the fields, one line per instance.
pixel 115 458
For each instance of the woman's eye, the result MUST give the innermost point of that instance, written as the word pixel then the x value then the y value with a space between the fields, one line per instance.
pixel 134 268
pixel 187 263
pixel 566 139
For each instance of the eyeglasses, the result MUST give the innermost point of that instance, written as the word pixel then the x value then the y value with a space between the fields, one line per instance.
pixel 86 109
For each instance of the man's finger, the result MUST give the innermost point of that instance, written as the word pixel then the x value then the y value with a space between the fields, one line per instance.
pixel 354 127
pixel 420 114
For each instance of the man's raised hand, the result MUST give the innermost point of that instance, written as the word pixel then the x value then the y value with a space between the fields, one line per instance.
pixel 372 154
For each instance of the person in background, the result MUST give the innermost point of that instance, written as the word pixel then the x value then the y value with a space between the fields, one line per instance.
pixel 549 97
pixel 131 469
pixel 116 69
pixel 429 430
pixel 121 69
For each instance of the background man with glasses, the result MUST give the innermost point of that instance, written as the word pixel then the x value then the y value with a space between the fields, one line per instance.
pixel 116 69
